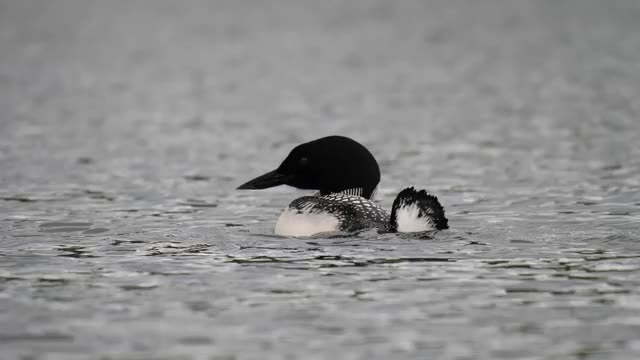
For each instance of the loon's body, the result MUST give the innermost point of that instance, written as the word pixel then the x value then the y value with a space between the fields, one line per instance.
pixel 346 175
pixel 310 215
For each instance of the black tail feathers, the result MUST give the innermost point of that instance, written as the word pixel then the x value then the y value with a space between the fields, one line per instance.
pixel 417 211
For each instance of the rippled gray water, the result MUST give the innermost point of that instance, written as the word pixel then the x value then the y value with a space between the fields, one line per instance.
pixel 125 127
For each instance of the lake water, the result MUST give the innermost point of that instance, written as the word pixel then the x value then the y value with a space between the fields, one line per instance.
pixel 125 128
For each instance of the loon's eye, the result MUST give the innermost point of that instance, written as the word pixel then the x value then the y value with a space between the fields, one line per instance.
pixel 303 161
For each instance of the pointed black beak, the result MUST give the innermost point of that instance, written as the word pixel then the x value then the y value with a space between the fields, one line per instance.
pixel 270 179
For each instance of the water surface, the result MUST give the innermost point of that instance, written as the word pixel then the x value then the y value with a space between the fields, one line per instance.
pixel 125 128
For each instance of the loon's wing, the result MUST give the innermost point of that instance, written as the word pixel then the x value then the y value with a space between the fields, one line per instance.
pixel 417 211
pixel 352 212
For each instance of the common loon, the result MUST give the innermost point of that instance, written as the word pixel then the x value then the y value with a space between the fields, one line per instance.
pixel 346 176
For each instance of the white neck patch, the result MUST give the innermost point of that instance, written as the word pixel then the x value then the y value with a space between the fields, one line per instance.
pixel 356 192
pixel 351 192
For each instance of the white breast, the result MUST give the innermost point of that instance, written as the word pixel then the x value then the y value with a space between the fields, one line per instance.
pixel 305 223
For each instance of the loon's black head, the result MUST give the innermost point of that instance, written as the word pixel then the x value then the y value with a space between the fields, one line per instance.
pixel 330 164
